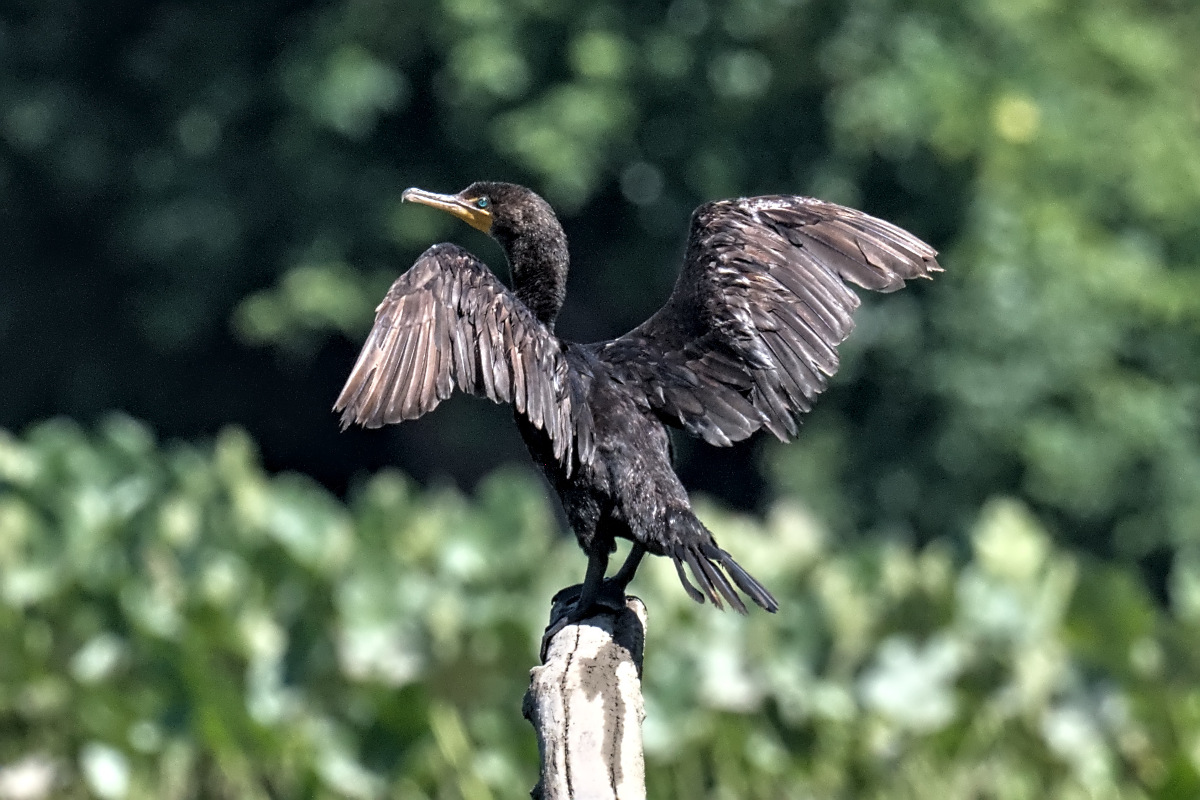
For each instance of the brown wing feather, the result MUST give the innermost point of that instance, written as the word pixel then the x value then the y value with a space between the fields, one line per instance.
pixel 747 338
pixel 448 322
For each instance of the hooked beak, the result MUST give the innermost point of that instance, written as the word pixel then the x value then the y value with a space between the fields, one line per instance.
pixel 462 207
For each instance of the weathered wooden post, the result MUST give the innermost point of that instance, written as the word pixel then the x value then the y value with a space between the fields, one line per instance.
pixel 585 702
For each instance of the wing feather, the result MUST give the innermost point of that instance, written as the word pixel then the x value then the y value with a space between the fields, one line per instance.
pixel 445 371
pixel 499 364
pixel 393 390
pixel 449 323
pixel 747 339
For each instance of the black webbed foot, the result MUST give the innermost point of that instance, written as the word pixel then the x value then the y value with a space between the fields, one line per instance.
pixel 569 607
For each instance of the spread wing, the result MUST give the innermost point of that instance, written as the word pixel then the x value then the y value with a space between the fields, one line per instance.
pixel 449 322
pixel 746 339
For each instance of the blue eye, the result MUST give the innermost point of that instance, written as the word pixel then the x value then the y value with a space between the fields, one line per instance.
pixel 482 202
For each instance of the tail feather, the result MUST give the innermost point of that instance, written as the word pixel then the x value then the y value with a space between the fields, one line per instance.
pixel 694 560
pixel 746 582
pixel 709 566
pixel 692 591
pixel 717 578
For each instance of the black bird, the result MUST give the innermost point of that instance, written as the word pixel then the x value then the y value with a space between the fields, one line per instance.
pixel 745 341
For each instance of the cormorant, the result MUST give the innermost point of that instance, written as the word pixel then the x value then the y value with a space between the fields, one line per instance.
pixel 745 341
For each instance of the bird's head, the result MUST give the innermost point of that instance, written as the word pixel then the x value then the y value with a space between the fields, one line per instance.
pixel 504 211
pixel 525 227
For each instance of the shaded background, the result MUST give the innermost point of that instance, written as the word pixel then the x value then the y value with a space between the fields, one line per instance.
pixel 200 207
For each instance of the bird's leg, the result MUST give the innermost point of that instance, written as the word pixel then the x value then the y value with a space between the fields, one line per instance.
pixel 594 591
pixel 592 580
pixel 625 574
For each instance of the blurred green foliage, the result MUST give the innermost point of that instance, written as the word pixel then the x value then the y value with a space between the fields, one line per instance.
pixel 178 623
pixel 199 206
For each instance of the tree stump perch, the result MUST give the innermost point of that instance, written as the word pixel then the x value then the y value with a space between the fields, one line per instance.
pixel 585 702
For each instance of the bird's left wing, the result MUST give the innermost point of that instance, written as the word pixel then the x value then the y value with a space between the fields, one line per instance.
pixel 449 322
pixel 746 339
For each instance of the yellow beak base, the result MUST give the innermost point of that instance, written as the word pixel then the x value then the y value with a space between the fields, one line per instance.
pixel 461 207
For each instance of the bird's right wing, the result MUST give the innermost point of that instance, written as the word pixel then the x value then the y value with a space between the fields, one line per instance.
pixel 449 322
pixel 747 338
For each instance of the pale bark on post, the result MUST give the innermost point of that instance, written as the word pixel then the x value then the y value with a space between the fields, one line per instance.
pixel 585 702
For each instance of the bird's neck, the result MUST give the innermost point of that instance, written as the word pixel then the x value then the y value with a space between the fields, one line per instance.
pixel 539 260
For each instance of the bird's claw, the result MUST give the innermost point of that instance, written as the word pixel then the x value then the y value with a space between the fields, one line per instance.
pixel 567 609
